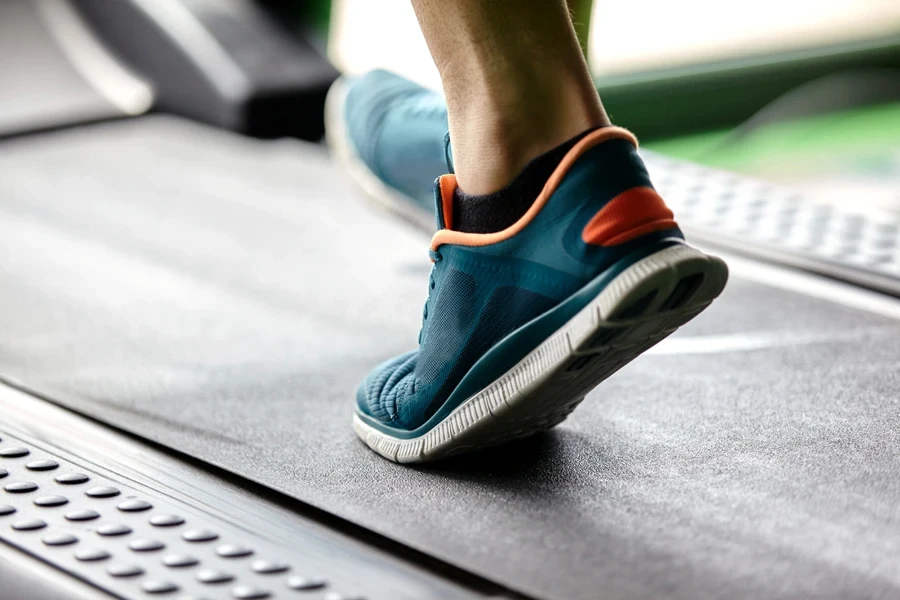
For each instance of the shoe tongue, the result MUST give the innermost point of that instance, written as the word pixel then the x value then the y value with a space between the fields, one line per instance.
pixel 440 207
pixel 448 153
pixel 444 188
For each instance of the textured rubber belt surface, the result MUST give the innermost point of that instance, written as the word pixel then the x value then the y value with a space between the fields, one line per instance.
pixel 225 297
pixel 744 212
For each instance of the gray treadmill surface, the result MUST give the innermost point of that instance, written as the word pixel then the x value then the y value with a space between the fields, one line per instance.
pixel 224 297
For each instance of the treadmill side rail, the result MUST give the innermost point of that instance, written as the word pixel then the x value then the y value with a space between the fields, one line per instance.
pixel 224 62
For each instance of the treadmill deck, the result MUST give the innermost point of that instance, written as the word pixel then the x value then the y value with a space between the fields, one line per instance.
pixel 224 297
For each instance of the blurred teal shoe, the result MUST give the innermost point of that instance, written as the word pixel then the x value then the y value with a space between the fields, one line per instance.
pixel 391 135
pixel 521 323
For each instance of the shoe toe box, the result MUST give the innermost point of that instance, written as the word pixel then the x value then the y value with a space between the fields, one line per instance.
pixel 382 393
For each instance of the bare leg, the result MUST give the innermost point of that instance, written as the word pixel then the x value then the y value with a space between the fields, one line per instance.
pixel 580 11
pixel 515 80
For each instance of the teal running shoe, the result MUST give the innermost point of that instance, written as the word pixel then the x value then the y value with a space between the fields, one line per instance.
pixel 391 136
pixel 522 323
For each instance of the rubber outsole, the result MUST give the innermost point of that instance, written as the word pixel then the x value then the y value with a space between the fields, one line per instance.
pixel 644 304
pixel 373 188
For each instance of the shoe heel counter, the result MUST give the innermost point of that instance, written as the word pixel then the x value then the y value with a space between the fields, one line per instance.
pixel 613 201
pixel 628 216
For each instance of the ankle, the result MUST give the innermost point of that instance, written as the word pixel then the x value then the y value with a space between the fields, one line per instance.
pixel 495 136
pixel 489 213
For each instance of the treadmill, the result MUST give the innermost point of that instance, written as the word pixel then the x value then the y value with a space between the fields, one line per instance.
pixel 178 358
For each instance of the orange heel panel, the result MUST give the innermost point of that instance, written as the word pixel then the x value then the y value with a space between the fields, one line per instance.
pixel 629 215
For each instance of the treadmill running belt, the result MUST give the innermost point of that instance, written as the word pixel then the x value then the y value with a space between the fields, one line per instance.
pixel 224 297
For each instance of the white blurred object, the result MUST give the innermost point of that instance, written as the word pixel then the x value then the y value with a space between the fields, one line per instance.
pixel 652 34
pixel 628 36
pixel 370 34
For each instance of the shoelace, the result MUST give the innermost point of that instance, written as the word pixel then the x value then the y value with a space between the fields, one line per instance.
pixel 436 257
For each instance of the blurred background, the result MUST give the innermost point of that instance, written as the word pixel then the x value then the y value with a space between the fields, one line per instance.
pixel 801 92
pixel 804 92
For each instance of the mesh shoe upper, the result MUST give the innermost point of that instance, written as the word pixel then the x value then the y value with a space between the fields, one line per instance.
pixel 482 293
pixel 398 129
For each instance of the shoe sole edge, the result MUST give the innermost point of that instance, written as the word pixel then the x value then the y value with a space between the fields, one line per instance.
pixel 543 388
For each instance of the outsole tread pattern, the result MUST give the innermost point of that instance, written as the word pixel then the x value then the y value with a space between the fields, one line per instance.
pixel 542 389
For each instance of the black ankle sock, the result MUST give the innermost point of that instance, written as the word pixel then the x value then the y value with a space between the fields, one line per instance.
pixel 497 211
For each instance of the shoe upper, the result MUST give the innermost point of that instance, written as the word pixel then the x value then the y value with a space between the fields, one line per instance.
pixel 485 286
pixel 399 130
